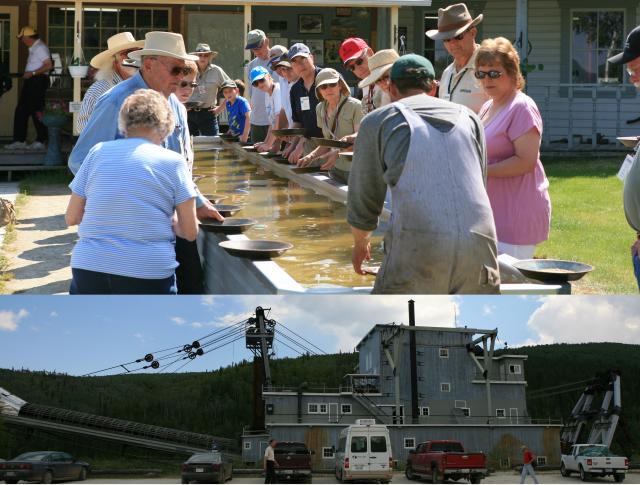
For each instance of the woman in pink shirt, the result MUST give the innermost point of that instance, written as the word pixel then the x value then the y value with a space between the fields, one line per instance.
pixel 517 185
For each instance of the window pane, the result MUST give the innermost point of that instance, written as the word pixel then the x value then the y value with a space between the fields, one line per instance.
pixel 608 73
pixel 104 36
pixel 359 444
pixel 378 444
pixel 56 37
pixel 56 17
pixel 584 30
pixel 126 19
pixel 109 19
pixel 610 30
pixel 92 19
pixel 161 19
pixel 143 18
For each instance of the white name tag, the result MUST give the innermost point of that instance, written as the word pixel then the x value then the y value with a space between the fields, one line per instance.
pixel 75 107
pixel 304 103
pixel 202 89
pixel 626 166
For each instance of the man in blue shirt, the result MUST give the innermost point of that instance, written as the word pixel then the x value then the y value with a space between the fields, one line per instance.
pixel 162 67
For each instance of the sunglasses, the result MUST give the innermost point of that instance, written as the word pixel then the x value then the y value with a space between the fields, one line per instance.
pixel 457 37
pixel 175 70
pixel 492 74
pixel 257 83
pixel 184 84
pixel 322 87
pixel 358 62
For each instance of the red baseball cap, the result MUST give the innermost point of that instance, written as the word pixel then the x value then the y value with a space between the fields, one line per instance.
pixel 352 48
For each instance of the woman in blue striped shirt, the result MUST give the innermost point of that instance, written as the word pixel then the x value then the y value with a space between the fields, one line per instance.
pixel 131 197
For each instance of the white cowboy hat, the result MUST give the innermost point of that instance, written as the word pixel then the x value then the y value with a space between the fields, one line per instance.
pixel 116 43
pixel 453 21
pixel 379 63
pixel 165 44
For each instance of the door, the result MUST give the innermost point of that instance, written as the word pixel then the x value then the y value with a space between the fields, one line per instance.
pixel 333 412
pixel 9 57
pixel 359 453
pixel 379 454
pixel 224 33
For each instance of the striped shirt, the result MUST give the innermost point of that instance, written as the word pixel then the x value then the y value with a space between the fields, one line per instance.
pixel 90 99
pixel 126 227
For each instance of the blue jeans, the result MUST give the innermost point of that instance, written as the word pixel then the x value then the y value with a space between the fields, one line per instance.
pixel 528 470
pixel 202 123
pixel 636 267
pixel 85 282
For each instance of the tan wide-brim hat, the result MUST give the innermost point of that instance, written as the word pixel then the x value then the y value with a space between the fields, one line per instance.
pixel 167 44
pixel 379 63
pixel 116 43
pixel 203 48
pixel 330 76
pixel 453 21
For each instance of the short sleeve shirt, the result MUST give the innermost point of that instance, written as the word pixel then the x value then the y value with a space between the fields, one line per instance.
pixel 209 83
pixel 303 107
pixel 269 454
pixel 236 113
pixel 462 86
pixel 273 104
pixel 38 54
pixel 632 194
pixel 521 204
pixel 348 119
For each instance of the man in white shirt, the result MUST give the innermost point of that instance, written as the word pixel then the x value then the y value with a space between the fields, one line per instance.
pixel 258 44
pixel 458 32
pixel 31 102
pixel 270 462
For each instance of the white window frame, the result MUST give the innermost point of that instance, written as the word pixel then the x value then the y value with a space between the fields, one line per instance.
pixel 443 352
pixel 326 408
pixel 342 407
pixel 328 456
pixel 466 412
pixel 422 411
pixel 504 413
pixel 541 460
pixel 459 403
pixel 445 387
pixel 515 369
pixel 247 445
pixel 404 442
pixel 317 405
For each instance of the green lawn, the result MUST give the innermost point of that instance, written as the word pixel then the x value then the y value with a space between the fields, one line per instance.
pixel 588 223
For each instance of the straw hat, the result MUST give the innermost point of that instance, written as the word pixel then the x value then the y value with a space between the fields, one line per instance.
pixel 330 76
pixel 26 31
pixel 165 44
pixel 379 63
pixel 453 21
pixel 115 44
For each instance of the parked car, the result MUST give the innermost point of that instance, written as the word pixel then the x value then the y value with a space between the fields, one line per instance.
pixel 210 467
pixel 441 460
pixel 594 461
pixel 43 467
pixel 364 452
pixel 294 461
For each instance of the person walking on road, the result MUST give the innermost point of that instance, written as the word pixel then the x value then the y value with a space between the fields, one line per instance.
pixel 527 465
pixel 270 462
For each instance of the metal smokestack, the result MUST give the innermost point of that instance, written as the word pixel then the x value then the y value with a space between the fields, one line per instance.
pixel 414 365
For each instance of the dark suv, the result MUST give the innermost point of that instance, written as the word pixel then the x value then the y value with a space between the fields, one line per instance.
pixel 294 461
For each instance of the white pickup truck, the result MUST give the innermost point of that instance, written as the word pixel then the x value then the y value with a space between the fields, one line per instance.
pixel 594 461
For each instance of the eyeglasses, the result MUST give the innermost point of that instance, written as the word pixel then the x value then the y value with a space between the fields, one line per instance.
pixel 204 54
pixel 358 62
pixel 192 85
pixel 175 70
pixel 257 83
pixel 457 37
pixel 492 74
pixel 322 87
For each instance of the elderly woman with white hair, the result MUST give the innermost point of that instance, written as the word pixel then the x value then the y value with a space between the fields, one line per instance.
pixel 130 212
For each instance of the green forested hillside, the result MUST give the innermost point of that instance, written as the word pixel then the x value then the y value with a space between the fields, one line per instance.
pixel 219 402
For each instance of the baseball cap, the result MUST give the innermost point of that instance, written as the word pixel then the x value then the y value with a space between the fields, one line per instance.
pixel 228 84
pixel 255 38
pixel 299 49
pixel 282 61
pixel 412 65
pixel 631 49
pixel 26 31
pixel 257 73
pixel 352 48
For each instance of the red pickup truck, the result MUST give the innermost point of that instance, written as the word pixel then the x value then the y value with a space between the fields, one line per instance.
pixel 441 460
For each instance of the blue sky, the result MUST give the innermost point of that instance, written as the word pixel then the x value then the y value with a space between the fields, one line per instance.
pixel 82 335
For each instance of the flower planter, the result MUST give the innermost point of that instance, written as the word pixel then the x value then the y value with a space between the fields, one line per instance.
pixel 78 71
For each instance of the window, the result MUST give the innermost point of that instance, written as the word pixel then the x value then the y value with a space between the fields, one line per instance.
pixel 444 353
pixel 328 452
pixel 345 409
pixel 501 413
pixel 596 35
pixel 466 412
pixel 424 411
pixel 99 24
pixel 247 445
pixel 409 443
pixel 460 404
pixel 515 369
pixel 445 387
pixel 312 408
pixel 541 460
pixel 358 444
pixel 323 409
pixel 378 444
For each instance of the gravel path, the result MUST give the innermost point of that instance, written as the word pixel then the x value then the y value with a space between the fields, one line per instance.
pixel 39 257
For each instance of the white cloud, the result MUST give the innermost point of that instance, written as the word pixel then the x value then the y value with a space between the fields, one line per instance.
pixel 9 320
pixel 579 319
pixel 140 337
pixel 53 314
pixel 208 300
pixel 178 320
pixel 197 325
pixel 488 309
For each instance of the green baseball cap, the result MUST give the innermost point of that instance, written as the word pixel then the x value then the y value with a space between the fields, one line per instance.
pixel 412 66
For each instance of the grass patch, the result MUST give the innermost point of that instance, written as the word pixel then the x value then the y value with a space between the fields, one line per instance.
pixel 57 177
pixel 588 223
pixel 10 237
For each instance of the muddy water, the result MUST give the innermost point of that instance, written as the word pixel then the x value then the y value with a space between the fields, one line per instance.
pixel 285 211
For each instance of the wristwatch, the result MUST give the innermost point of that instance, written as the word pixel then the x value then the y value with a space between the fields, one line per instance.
pixel 33 73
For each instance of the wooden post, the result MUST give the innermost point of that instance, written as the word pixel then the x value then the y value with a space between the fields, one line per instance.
pixel 77 49
pixel 247 28
pixel 522 28
pixel 393 31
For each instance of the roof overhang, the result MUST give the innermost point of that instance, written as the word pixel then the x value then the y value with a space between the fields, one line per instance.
pixel 268 3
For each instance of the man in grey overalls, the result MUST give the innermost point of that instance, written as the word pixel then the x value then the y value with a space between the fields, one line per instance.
pixel 431 154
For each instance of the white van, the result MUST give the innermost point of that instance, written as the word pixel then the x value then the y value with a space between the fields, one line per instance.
pixel 364 452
